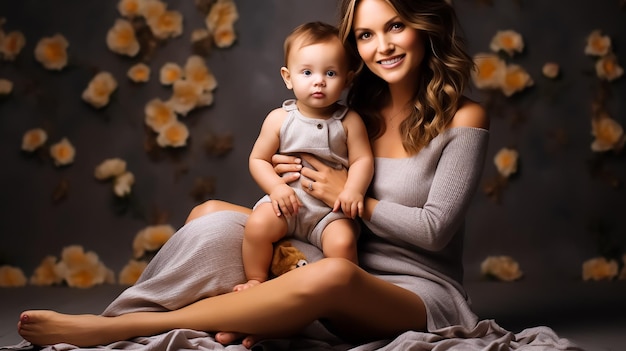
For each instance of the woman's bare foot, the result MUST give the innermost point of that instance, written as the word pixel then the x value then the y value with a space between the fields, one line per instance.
pixel 250 283
pixel 227 338
pixel 43 327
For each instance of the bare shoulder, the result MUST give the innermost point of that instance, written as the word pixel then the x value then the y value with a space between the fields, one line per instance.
pixel 470 114
pixel 275 118
pixel 352 118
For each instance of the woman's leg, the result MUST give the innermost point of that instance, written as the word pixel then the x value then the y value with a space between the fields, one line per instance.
pixel 212 206
pixel 357 305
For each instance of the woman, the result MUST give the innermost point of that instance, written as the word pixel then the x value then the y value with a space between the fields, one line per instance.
pixel 429 142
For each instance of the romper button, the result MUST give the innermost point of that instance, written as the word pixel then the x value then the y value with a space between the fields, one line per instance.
pixel 319 126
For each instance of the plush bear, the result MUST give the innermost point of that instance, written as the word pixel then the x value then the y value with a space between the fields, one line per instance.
pixel 286 257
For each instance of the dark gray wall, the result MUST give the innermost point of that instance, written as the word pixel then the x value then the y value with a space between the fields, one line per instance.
pixel 548 216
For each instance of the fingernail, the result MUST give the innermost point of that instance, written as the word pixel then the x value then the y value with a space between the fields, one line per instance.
pixel 298 160
pixel 24 318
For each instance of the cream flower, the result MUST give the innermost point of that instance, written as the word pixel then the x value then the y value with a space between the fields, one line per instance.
pixel 197 72
pixel 121 38
pixel 174 134
pixel 33 139
pixel 489 71
pixel 131 272
pixel 6 87
pixel 139 73
pixel 51 52
pixel 151 238
pixel 503 268
pixel 109 168
pixel 515 79
pixel 11 277
pixel 158 114
pixel 123 184
pixel 224 36
pixel 99 89
pixel 506 161
pixel 222 13
pixel 185 96
pixel 63 152
pixel 508 41
pixel 607 132
pixel 550 70
pixel 152 8
pixel 597 44
pixel 11 45
pixel 608 68
pixel 169 24
pixel 199 35
pixel 599 268
pixel 129 8
pixel 81 269
pixel 46 273
pixel 170 73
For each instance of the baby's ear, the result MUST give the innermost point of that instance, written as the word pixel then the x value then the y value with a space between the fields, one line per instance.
pixel 284 72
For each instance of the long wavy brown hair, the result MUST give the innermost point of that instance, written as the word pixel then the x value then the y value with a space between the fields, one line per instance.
pixel 443 78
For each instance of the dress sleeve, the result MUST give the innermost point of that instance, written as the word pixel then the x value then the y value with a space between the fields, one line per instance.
pixel 454 183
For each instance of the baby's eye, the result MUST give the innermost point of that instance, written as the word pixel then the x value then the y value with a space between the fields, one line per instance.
pixel 307 72
pixel 331 73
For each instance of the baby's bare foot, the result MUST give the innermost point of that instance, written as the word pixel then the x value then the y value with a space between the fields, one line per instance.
pixel 49 327
pixel 250 283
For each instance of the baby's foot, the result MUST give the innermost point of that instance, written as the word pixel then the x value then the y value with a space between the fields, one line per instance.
pixel 250 283
pixel 49 327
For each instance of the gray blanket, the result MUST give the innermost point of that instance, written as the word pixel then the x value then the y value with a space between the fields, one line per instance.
pixel 186 269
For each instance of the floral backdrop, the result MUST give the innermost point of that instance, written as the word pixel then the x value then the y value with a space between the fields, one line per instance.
pixel 117 117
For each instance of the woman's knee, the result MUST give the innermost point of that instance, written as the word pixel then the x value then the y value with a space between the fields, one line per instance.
pixel 332 277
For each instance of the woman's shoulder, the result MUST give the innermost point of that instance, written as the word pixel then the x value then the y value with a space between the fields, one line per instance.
pixel 470 114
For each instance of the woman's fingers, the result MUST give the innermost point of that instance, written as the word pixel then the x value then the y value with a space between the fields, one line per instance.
pixel 286 166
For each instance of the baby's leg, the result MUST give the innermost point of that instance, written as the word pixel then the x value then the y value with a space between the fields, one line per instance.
pixel 339 239
pixel 262 230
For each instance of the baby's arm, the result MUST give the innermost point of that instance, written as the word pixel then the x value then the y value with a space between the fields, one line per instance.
pixel 361 168
pixel 284 199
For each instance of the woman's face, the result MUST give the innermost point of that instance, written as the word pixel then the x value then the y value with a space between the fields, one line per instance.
pixel 390 49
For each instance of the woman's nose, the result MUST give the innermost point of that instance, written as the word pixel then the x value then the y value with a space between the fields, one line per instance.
pixel 385 46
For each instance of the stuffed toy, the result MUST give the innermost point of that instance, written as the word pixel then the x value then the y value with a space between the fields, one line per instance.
pixel 286 257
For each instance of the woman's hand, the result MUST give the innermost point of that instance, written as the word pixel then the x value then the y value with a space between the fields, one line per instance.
pixel 288 167
pixel 323 182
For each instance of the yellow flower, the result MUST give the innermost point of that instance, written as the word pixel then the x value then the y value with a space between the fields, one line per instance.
pixel 123 183
pixel 99 89
pixel 81 269
pixel 506 161
pixel 151 238
pixel 169 24
pixel 224 36
pixel 63 152
pixel 6 87
pixel 608 68
pixel 503 268
pixel 550 70
pixel 508 41
pixel 121 38
pixel 185 96
pixel 197 72
pixel 129 8
pixel 170 73
pixel 174 134
pixel 131 272
pixel 222 13
pixel 158 114
pixel 51 52
pixel 515 79
pixel 47 273
pixel 11 45
pixel 599 268
pixel 109 168
pixel 11 277
pixel 33 139
pixel 597 44
pixel 152 8
pixel 607 132
pixel 139 73
pixel 489 71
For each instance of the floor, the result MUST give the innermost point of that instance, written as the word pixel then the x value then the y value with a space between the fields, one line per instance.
pixel 591 314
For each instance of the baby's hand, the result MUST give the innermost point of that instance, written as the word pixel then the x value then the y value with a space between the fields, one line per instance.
pixel 350 202
pixel 284 200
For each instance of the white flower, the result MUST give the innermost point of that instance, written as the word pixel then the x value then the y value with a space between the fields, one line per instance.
pixel 174 135
pixel 508 41
pixel 170 73
pixel 197 72
pixel 109 168
pixel 607 132
pixel 489 71
pixel 47 273
pixel 121 38
pixel 123 184
pixel 151 238
pixel 597 44
pixel 224 36
pixel 503 268
pixel 33 139
pixel 6 87
pixel 550 70
pixel 63 152
pixel 131 272
pixel 11 277
pixel 51 52
pixel 185 96
pixel 139 73
pixel 506 161
pixel 152 8
pixel 608 68
pixel 599 268
pixel 99 89
pixel 222 13
pixel 81 269
pixel 159 114
pixel 168 24
pixel 11 44
pixel 129 8
pixel 515 80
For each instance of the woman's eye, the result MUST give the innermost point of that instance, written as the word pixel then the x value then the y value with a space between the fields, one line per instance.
pixel 364 36
pixel 397 26
pixel 331 73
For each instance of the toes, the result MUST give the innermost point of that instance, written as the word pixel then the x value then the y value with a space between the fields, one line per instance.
pixel 226 338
